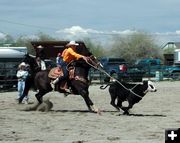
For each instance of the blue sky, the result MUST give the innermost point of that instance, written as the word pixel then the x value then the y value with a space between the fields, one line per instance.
pixel 82 17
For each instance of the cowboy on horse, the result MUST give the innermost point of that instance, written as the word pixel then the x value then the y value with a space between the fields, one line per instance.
pixel 68 55
pixel 78 74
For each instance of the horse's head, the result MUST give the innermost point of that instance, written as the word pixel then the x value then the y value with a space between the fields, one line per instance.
pixel 91 59
pixel 93 62
pixel 31 61
pixel 28 59
pixel 83 51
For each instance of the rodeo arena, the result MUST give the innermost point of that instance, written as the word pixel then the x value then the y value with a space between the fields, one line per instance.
pixel 70 96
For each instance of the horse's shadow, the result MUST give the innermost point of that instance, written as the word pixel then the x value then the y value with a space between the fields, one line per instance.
pixel 108 111
pixel 71 111
pixel 81 111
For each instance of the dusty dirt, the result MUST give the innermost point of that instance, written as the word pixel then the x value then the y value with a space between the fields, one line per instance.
pixel 70 122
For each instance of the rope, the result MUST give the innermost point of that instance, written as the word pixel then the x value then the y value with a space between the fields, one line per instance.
pixel 103 71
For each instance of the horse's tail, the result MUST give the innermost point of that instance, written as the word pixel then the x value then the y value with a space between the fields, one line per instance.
pixel 104 87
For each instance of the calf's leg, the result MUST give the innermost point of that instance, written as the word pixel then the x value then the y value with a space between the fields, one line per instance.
pixel 113 100
pixel 126 109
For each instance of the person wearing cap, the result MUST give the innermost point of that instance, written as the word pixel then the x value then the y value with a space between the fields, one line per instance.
pixel 22 74
pixel 68 55
pixel 40 52
pixel 40 57
pixel 41 64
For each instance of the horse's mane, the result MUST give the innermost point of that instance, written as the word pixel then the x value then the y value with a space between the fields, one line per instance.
pixel 31 61
pixel 84 51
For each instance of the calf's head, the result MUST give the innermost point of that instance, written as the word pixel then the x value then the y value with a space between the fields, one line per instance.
pixel 150 86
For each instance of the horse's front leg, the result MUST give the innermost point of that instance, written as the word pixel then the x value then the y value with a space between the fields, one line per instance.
pixel 40 94
pixel 88 101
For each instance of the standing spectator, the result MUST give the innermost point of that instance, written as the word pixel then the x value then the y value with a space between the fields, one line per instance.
pixel 22 74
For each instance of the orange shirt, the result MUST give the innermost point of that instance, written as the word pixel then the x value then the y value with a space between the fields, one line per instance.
pixel 70 55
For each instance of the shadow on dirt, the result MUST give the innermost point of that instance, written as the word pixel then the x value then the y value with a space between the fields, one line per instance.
pixel 144 115
pixel 108 111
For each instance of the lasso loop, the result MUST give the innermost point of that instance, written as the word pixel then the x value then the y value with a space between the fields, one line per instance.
pixel 98 66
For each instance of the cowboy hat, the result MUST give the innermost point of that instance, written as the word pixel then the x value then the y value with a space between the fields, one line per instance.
pixel 72 43
pixel 22 64
pixel 40 47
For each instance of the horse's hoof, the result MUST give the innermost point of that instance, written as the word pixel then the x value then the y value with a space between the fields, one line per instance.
pixel 98 111
pixel 126 113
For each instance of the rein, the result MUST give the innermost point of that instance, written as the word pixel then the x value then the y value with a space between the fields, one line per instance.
pixel 103 71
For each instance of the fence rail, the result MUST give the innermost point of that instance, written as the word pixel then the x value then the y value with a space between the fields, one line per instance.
pixel 8 79
pixel 153 74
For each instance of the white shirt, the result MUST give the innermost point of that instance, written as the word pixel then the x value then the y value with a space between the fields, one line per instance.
pixel 22 74
pixel 43 65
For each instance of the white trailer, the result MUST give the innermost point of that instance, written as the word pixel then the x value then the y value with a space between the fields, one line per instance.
pixel 10 58
pixel 177 56
pixel 19 49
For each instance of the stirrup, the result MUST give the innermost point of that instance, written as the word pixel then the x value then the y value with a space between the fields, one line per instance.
pixel 52 85
pixel 67 92
pixel 55 81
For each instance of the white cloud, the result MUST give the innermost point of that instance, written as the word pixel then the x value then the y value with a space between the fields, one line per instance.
pixel 78 30
pixel 125 32
pixel 2 35
pixel 178 32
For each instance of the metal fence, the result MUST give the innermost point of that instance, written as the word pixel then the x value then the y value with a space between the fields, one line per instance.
pixel 157 74
pixel 8 79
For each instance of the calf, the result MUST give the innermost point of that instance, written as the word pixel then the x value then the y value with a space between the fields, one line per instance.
pixel 132 93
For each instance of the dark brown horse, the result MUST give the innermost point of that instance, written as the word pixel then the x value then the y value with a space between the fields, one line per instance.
pixel 79 84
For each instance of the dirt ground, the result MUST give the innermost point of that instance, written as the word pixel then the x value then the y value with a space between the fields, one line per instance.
pixel 70 122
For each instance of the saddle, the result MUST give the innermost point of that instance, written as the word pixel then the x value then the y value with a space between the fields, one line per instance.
pixel 55 73
pixel 58 72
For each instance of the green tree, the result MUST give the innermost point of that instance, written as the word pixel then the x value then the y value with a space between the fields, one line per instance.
pixel 44 37
pixel 26 41
pixel 136 46
pixel 169 50
pixel 7 41
pixel 95 48
pixel 23 41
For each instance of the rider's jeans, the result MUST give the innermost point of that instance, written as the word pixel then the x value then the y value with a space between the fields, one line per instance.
pixel 65 71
